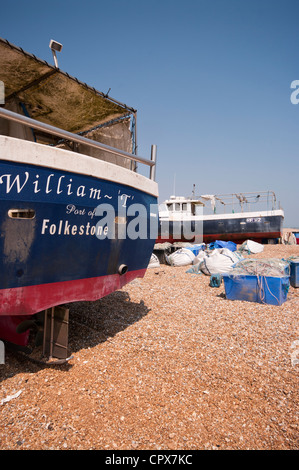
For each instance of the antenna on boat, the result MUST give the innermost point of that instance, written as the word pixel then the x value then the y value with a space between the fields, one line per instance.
pixel 55 47
pixel 174 184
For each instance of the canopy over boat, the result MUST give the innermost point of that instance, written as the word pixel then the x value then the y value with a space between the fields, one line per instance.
pixel 45 93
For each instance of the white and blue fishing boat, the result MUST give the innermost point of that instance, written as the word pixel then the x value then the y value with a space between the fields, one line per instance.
pixel 69 188
pixel 230 217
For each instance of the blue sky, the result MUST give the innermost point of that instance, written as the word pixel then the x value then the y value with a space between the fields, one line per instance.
pixel 210 80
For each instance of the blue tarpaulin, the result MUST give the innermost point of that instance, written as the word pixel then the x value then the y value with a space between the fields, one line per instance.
pixel 196 248
pixel 220 244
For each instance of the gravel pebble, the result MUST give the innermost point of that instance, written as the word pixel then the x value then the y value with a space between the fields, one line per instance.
pixel 167 362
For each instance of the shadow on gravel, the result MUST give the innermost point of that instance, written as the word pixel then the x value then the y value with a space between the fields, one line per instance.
pixel 90 323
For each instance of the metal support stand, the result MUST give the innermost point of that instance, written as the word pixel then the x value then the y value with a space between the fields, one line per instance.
pixel 55 340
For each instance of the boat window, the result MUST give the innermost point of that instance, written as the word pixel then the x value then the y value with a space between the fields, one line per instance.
pixel 177 206
pixel 170 207
pixel 184 206
pixel 21 213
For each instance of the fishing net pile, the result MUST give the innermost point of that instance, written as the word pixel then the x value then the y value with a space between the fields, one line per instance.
pixel 271 267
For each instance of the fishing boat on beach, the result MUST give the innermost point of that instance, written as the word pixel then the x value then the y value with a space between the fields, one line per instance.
pixel 230 217
pixel 69 189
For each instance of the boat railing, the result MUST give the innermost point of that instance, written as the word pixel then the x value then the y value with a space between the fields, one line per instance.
pixel 38 125
pixel 246 200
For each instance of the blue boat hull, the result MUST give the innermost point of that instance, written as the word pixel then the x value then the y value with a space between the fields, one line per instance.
pixel 258 228
pixel 67 237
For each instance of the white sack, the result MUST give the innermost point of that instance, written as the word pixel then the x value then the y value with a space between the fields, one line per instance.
pixel 154 261
pixel 181 257
pixel 198 258
pixel 252 247
pixel 219 261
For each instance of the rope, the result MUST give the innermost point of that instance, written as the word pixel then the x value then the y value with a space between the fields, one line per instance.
pixel 260 269
pixel 261 290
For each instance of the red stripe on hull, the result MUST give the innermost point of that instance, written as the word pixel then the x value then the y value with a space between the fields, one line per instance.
pixel 236 237
pixel 32 299
pixel 8 326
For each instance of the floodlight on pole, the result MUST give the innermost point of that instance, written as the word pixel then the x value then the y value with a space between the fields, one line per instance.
pixel 55 47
